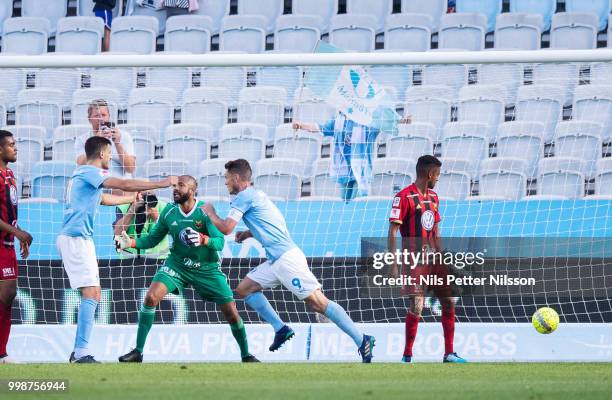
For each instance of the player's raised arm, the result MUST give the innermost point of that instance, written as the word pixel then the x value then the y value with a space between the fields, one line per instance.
pixel 138 185
pixel 226 226
pixel 216 238
pixel 113 200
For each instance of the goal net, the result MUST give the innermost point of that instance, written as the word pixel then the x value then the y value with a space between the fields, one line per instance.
pixel 526 176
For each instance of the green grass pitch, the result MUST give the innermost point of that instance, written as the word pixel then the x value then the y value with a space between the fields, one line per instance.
pixel 321 381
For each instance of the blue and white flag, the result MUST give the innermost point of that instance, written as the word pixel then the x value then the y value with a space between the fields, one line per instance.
pixel 350 90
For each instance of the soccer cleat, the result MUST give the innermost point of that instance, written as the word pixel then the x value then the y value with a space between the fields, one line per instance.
pixel 133 356
pixel 366 348
pixel 7 360
pixel 407 359
pixel 284 334
pixel 454 358
pixel 72 358
pixel 87 360
pixel 250 359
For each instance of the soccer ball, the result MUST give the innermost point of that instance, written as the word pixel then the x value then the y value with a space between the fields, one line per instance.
pixel 545 320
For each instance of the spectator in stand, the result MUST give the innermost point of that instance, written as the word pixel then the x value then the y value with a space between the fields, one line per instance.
pixel 452 4
pixel 104 9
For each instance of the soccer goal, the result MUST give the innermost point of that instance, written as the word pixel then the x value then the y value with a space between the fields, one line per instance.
pixel 525 143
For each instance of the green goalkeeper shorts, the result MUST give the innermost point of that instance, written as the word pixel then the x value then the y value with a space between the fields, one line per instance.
pixel 210 283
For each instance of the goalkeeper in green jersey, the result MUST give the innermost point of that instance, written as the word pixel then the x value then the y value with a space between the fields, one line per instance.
pixel 193 260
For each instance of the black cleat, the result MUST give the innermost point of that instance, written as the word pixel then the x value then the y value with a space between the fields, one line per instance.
pixel 72 358
pixel 284 334
pixel 133 356
pixel 249 359
pixel 89 359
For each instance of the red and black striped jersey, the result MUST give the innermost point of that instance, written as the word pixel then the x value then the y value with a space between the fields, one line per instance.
pixel 418 215
pixel 8 205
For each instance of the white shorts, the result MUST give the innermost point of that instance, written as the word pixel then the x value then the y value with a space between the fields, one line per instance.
pixel 80 261
pixel 290 270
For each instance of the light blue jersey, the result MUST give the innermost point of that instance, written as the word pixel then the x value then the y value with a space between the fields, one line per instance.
pixel 264 220
pixel 82 200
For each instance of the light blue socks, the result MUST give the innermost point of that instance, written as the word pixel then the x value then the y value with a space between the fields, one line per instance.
pixel 258 302
pixel 85 322
pixel 339 317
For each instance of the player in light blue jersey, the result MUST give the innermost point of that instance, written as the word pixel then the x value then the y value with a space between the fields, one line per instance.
pixel 75 241
pixel 286 264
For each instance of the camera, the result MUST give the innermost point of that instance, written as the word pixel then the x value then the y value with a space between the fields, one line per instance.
pixel 107 125
pixel 149 200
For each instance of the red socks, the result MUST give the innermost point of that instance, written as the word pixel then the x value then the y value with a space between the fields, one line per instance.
pixel 5 326
pixel 412 323
pixel 448 326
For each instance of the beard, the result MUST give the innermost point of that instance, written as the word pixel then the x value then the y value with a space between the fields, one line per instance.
pixel 430 185
pixel 182 198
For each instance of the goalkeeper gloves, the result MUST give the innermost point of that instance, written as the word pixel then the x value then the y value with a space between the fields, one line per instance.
pixel 194 238
pixel 124 241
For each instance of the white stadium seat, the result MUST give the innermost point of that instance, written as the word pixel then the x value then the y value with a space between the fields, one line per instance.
pixel 297 32
pixel 64 139
pixel 545 8
pixel 206 105
pixel 245 141
pixel 503 177
pixel 50 178
pixel 188 33
pixel 189 142
pixel 490 8
pixel 579 139
pixel 145 138
pixel 324 9
pixel 594 103
pixel 561 176
pixel 120 79
pixel 279 177
pixel 161 169
pixel 82 35
pixel 262 104
pixel 243 33
pixel 434 8
pixel 305 146
pixel 353 32
pixel 390 175
pixel 137 34
pixel 519 31
pixel 574 30
pixel 430 104
pixel 152 106
pixel 321 183
pixel 215 10
pixel 453 76
pixel 462 31
pixel 41 107
pixel 66 80
pixel 408 32
pixel 482 103
pixel 524 140
pixel 508 75
pixel 466 140
pixel 52 10
pixel 83 97
pixel 31 140
pixel 603 178
pixel 211 178
pixel 380 10
pixel 25 35
pixel 542 103
pixel 269 10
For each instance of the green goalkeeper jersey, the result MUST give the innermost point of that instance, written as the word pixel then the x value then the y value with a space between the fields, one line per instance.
pixel 174 222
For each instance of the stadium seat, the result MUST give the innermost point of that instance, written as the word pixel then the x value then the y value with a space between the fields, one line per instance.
pixel 601 73
pixel 233 79
pixel 297 32
pixel 466 140
pixel 429 103
pixel 524 140
pixel 288 78
pixel 145 138
pixel 502 178
pixel 308 108
pixel 67 80
pixel 305 146
pixel 211 178
pixel 574 31
pixel 22 178
pixel 81 35
pixel 85 8
pixel 408 32
pixel 434 8
pixel 263 104
pixel 243 33
pixel 188 33
pixel 542 103
pixel 137 34
pixel 279 177
pixel 410 146
pixel 453 185
pixel 582 140
pixel 120 79
pixel 484 104
pixel 324 9
pixel 453 76
pixel 561 176
pixel 3 106
pixel 545 8
pixel 245 142
pixel 380 10
pixel 83 97
pixel 601 8
pixel 508 75
pixel 25 35
pixel 397 76
pixel 152 106
pixel 418 129
pixel 519 31
pixel 603 178
pixel 189 142
pixel 565 75
pixel 161 169
pixel 490 8
pixel 321 183
pixel 269 10
pixel 50 179
pixel 64 139
pixel 52 10
pixel 6 11
pixel 178 79
pixel 12 82
pixel 215 10
pixel 462 31
pixel 244 129
pixel 594 103
pixel 206 105
pixel 30 140
pixel 390 175
pixel 353 32
pixel 40 107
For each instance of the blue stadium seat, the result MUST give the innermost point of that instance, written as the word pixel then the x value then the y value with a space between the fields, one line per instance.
pixel 429 103
pixel 434 8
pixel 542 103
pixel 206 105
pixel 40 107
pixel 66 80
pixel 120 79
pixel 82 97
pixel 137 34
pixel 85 8
pixel 152 106
pixel 380 10
pixel 601 8
pixel 268 9
pixel 594 103
pixel 324 9
pixel 561 176
pixel 243 33
pixel 64 139
pixel 462 31
pixel 353 32
pixel 52 10
pixel 297 32
pixel 582 140
pixel 546 8
pixel 490 8
pixel 466 140
pixel 189 33
pixel 523 140
pixel 603 178
pixel 280 178
pixel 25 35
pixel 408 32
pixel 390 175
pixel 483 104
pixel 305 146
pixel 189 142
pixel 518 31
pixel 81 35
pixel 50 179
pixel 574 31
pixel 215 10
pixel 211 178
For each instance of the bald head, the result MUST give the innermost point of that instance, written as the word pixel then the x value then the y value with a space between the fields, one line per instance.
pixel 189 180
pixel 185 189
